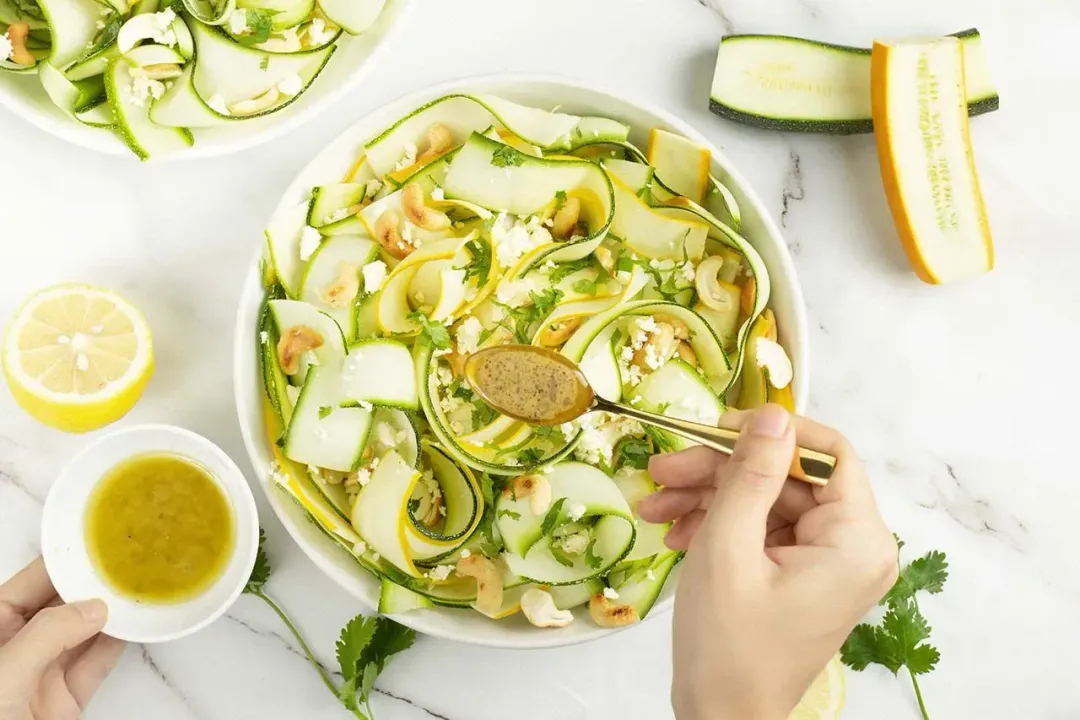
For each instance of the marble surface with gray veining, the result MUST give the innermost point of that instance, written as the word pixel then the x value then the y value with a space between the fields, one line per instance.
pixel 957 397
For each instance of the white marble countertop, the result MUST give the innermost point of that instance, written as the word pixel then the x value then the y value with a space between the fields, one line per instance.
pixel 957 397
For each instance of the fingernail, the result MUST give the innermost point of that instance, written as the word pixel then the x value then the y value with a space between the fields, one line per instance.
pixel 92 611
pixel 770 421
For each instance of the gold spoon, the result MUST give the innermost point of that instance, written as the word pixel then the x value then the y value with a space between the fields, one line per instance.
pixel 542 387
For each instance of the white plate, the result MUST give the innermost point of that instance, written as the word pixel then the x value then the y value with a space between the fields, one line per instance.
pixel 329 166
pixel 63 531
pixel 24 96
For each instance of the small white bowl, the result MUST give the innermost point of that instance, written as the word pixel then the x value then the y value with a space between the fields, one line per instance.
pixel 538 91
pixel 24 96
pixel 64 546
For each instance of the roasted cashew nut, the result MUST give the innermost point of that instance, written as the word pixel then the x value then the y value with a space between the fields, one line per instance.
pixel 682 332
pixel 418 213
pixel 661 342
pixel 345 287
pixel 536 488
pixel 686 353
pixel 256 105
pixel 388 234
pixel 609 615
pixel 296 341
pixel 539 609
pixel 606 259
pixel 489 589
pixel 17 34
pixel 439 141
pixel 566 219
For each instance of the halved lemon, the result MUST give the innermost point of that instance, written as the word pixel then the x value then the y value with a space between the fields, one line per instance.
pixel 77 357
pixel 824 699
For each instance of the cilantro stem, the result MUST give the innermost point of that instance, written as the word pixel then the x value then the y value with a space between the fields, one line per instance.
pixel 918 695
pixel 299 639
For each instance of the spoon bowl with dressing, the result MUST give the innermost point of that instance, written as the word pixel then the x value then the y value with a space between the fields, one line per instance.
pixel 540 386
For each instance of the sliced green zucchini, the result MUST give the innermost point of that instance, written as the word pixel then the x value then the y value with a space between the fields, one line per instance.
pixel 395 430
pixel 601 368
pixel 72 28
pixel 29 13
pixel 464 114
pixel 275 382
pixel 92 66
pixel 567 597
pixel 681 392
pixel 232 73
pixel 335 256
pixel 145 138
pixel 321 432
pixel 293 313
pixel 380 372
pixel 462 507
pixel 796 85
pixel 640 592
pixel 181 106
pixel 397 599
pixel 64 94
pixel 367 322
pixel 634 485
pixel 210 12
pixel 353 16
pixel 283 247
pixel 330 201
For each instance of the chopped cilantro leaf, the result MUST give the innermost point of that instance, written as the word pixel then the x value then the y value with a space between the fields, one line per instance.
pixel 479 266
pixel 633 452
pixel 591 559
pixel 325 410
pixel 261 24
pixel 585 287
pixel 506 156
pixel 435 332
pixel 560 555
pixel 551 519
pixel 510 514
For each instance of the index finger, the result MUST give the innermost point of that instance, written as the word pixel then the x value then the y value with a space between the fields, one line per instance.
pixel 848 483
pixel 30 589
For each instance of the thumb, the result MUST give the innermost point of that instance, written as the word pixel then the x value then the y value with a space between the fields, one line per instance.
pixel 48 634
pixel 751 481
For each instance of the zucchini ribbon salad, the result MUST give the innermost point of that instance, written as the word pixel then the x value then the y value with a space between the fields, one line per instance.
pixel 151 70
pixel 474 222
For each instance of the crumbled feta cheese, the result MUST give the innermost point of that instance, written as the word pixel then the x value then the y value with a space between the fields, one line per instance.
pixel 365 405
pixel 438 194
pixel 626 354
pixel 662 264
pixel 575 512
pixel 217 104
pixel 376 557
pixel 359 547
pixel 408 158
pixel 610 593
pixel 143 88
pixel 468 335
pixel 162 27
pixel 450 403
pixel 575 543
pixel 649 575
pixel 771 357
pixel 633 375
pixel 310 239
pixel 339 214
pixel 599 433
pixel 100 25
pixel 443 375
pixel 385 433
pixel 363 476
pixel 568 430
pixel 291 84
pixel 687 271
pixel 373 186
pixel 6 48
pixel 264 337
pixel 513 238
pixel 439 573
pixel 238 22
pixel 318 33
pixel 465 553
pixel 374 275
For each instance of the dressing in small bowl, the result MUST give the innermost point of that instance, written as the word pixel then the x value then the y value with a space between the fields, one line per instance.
pixel 158 522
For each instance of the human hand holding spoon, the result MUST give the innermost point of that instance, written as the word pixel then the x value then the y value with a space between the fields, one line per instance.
pixel 541 386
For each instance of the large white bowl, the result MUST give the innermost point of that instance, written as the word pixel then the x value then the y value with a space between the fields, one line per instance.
pixel 330 165
pixel 24 96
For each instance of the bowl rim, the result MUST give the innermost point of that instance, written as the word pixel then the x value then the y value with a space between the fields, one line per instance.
pixel 232 482
pixel 70 130
pixel 242 380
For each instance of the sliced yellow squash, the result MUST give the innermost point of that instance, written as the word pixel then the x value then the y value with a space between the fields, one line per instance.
pixel 919 106
pixel 681 164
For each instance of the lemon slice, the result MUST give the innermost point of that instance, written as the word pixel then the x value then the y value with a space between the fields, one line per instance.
pixel 76 357
pixel 824 699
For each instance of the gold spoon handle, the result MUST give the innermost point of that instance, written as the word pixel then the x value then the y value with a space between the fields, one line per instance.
pixel 808 465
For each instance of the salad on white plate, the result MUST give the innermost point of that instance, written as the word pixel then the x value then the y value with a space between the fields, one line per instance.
pixel 474 222
pixel 152 71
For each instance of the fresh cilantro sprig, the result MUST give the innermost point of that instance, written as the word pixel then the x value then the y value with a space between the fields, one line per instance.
pixel 363 648
pixel 506 156
pixel 591 558
pixel 632 452
pixel 479 265
pixel 435 332
pixel 560 555
pixel 901 638
pixel 551 519
pixel 260 23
